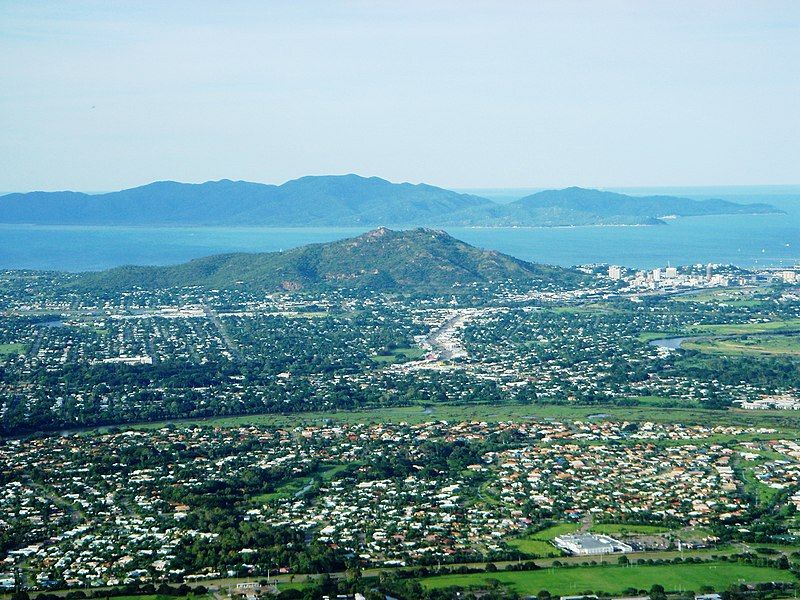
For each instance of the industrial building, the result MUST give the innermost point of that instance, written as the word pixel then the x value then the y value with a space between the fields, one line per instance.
pixel 586 544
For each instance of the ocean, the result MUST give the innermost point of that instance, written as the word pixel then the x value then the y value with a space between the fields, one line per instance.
pixel 744 240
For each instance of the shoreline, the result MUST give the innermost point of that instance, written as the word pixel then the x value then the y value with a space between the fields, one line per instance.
pixel 661 220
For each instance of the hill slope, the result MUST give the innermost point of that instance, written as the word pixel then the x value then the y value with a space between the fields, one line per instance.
pixel 417 260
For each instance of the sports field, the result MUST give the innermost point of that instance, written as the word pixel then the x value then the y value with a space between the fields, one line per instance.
pixel 617 579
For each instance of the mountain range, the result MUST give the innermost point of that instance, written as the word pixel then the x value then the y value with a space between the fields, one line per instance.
pixel 346 201
pixel 415 260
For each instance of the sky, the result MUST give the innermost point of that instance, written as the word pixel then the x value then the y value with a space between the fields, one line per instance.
pixel 106 95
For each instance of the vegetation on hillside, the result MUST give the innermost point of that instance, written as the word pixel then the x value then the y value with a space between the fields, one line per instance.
pixel 417 260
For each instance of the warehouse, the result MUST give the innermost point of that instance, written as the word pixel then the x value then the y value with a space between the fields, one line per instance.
pixel 590 544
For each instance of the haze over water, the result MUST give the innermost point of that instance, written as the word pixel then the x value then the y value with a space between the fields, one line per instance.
pixel 744 240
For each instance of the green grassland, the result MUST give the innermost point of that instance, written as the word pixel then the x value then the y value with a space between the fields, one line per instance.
pixel 694 533
pixel 623 528
pixel 539 543
pixel 555 531
pixel 191 596
pixel 666 402
pixel 764 345
pixel 649 336
pixel 534 547
pixel 762 492
pixel 781 420
pixel 287 490
pixel 399 355
pixel 617 579
pixel 778 326
pixel 12 349
pixel 296 485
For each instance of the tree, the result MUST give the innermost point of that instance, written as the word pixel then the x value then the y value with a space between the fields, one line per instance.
pixel 657 592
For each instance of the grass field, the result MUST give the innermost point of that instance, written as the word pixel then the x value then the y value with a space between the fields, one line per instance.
pixel 761 491
pixel 781 326
pixel 555 531
pixel 761 345
pixel 782 420
pixel 294 486
pixel 288 489
pixel 666 402
pixel 539 543
pixel 616 579
pixel 534 547
pixel 11 349
pixel 398 355
pixel 622 528
pixel 694 533
pixel 648 336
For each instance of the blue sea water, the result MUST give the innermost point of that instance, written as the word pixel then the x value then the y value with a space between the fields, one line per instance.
pixel 745 240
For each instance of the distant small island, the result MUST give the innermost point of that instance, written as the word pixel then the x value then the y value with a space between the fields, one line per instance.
pixel 348 201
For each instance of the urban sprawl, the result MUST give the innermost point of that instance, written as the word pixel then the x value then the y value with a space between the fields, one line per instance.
pixel 186 436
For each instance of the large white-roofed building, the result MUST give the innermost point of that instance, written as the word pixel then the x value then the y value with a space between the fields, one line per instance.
pixel 586 544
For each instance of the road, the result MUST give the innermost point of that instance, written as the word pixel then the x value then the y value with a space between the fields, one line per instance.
pixel 444 340
pixel 232 347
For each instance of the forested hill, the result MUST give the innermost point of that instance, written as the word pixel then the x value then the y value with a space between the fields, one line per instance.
pixel 346 201
pixel 414 261
pixel 581 206
pixel 596 203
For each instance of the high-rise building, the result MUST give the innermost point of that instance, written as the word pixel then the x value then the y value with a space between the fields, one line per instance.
pixel 615 272
pixel 671 273
pixel 709 272
pixel 656 274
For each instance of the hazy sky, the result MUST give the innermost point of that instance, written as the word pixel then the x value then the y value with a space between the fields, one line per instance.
pixel 103 95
